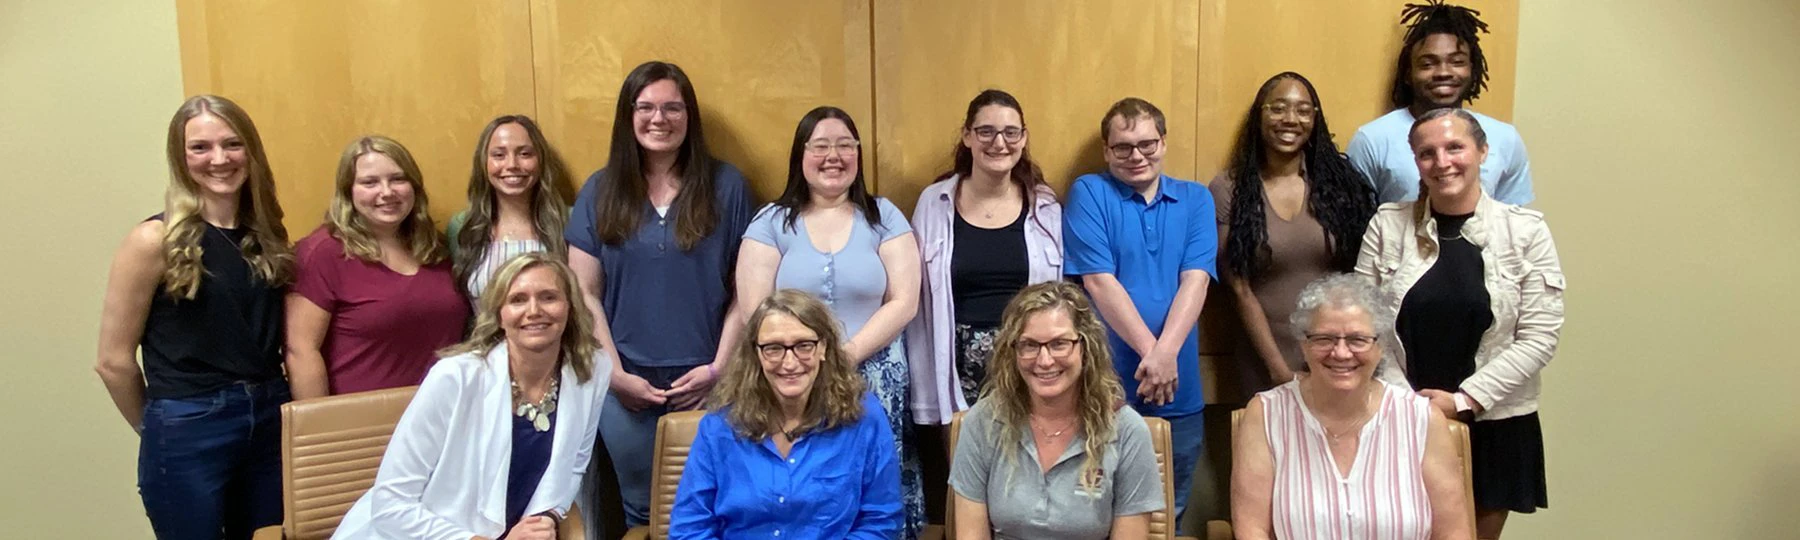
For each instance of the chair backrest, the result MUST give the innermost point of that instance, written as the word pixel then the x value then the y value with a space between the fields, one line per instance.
pixel 331 448
pixel 1162 523
pixel 1459 434
pixel 674 437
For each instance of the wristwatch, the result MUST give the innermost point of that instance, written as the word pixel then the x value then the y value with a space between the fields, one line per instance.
pixel 1465 411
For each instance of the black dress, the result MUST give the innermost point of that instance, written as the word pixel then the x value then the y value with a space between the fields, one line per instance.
pixel 1440 324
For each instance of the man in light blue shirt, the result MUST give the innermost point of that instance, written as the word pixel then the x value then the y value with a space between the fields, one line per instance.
pixel 1144 246
pixel 1441 65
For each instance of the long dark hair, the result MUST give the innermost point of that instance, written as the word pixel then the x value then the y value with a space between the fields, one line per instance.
pixel 797 194
pixel 1336 195
pixel 548 215
pixel 1431 18
pixel 1026 174
pixel 619 208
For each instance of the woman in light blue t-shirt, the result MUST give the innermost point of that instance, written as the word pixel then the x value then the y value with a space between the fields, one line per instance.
pixel 828 236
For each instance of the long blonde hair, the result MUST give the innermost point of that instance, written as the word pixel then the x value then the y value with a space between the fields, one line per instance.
pixel 578 342
pixel 1098 393
pixel 426 243
pixel 837 391
pixel 265 245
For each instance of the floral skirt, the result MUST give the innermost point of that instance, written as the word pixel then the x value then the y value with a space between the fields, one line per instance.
pixel 974 349
pixel 887 375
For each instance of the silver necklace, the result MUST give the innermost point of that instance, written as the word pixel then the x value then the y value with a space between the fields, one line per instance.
pixel 1057 433
pixel 1357 426
pixel 537 413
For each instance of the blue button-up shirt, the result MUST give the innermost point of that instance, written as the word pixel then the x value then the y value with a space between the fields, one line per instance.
pixel 839 483
pixel 1108 228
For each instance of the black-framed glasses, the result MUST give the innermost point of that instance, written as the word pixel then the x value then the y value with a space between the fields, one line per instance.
pixel 1146 147
pixel 803 350
pixel 1059 347
pixel 1010 134
pixel 1301 111
pixel 672 109
pixel 1325 342
pixel 821 147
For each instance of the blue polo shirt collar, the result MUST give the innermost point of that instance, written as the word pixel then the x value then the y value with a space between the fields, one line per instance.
pixel 1126 192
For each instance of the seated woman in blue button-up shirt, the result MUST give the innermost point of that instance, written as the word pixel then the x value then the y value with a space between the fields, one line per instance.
pixel 794 447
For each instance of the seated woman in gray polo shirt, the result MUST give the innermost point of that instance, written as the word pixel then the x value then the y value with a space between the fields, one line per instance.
pixel 1049 452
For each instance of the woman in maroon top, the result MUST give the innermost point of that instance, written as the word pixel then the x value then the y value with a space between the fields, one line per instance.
pixel 374 297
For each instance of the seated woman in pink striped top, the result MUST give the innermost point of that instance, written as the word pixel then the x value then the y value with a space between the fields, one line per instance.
pixel 1337 454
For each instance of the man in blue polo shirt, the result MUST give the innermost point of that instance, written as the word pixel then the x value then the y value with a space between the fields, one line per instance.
pixel 1440 65
pixel 1143 245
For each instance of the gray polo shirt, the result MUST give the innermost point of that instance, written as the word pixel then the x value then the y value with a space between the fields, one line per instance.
pixel 1025 503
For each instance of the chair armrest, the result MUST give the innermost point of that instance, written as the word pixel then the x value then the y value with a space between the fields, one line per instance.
pixel 272 532
pixel 1218 530
pixel 638 533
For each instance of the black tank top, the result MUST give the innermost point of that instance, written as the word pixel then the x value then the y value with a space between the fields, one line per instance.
pixel 231 331
pixel 1443 317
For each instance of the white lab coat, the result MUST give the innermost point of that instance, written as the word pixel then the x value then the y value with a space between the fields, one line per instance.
pixel 444 473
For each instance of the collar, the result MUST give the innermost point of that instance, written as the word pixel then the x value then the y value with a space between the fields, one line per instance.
pixel 1125 191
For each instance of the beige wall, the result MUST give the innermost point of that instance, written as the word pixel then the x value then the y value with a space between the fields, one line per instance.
pixel 1660 135
pixel 86 90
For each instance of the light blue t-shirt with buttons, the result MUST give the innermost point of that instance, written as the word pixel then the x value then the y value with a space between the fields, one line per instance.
pixel 1380 151
pixel 852 280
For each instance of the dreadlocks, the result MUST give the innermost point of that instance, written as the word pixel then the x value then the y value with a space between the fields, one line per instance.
pixel 1436 17
pixel 1336 195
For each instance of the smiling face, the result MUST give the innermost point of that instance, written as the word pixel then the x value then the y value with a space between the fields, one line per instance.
pixel 830 172
pixel 659 117
pixel 1333 361
pixel 996 155
pixel 1126 155
pixel 535 311
pixel 217 160
pixel 1441 72
pixel 789 352
pixel 380 192
pixel 1287 118
pixel 1449 160
pixel 512 161
pixel 1050 374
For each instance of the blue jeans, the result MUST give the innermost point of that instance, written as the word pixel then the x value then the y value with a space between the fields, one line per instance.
pixel 1187 437
pixel 209 466
pixel 630 438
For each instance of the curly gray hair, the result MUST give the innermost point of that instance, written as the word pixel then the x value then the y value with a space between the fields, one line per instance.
pixel 1341 291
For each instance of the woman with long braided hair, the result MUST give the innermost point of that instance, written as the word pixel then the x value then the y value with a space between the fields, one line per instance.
pixel 1290 210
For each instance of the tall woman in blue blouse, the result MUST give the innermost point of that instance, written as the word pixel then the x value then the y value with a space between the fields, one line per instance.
pixel 794 446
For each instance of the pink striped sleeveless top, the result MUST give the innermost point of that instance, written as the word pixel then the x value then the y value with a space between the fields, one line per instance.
pixel 1383 497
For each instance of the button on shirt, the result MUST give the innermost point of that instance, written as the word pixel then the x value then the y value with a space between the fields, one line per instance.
pixel 839 483
pixel 1108 228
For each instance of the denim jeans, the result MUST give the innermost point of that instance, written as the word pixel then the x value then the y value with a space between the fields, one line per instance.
pixel 1187 437
pixel 209 465
pixel 630 439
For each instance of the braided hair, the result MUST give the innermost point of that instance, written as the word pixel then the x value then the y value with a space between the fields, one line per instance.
pixel 1336 195
pixel 1432 18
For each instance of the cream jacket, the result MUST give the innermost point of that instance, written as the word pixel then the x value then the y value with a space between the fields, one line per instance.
pixel 1525 286
pixel 444 473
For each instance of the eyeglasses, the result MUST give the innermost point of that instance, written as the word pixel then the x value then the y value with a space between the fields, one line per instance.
pixel 1059 347
pixel 803 350
pixel 1302 111
pixel 1326 342
pixel 986 133
pixel 1145 147
pixel 821 148
pixel 671 110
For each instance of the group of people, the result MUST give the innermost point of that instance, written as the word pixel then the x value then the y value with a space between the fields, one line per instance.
pixel 1382 293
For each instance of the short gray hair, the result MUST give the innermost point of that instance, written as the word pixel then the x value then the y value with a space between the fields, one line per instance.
pixel 1341 291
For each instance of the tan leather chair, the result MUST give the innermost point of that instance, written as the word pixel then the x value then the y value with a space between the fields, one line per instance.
pixel 1162 522
pixel 1459 434
pixel 674 437
pixel 331 448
